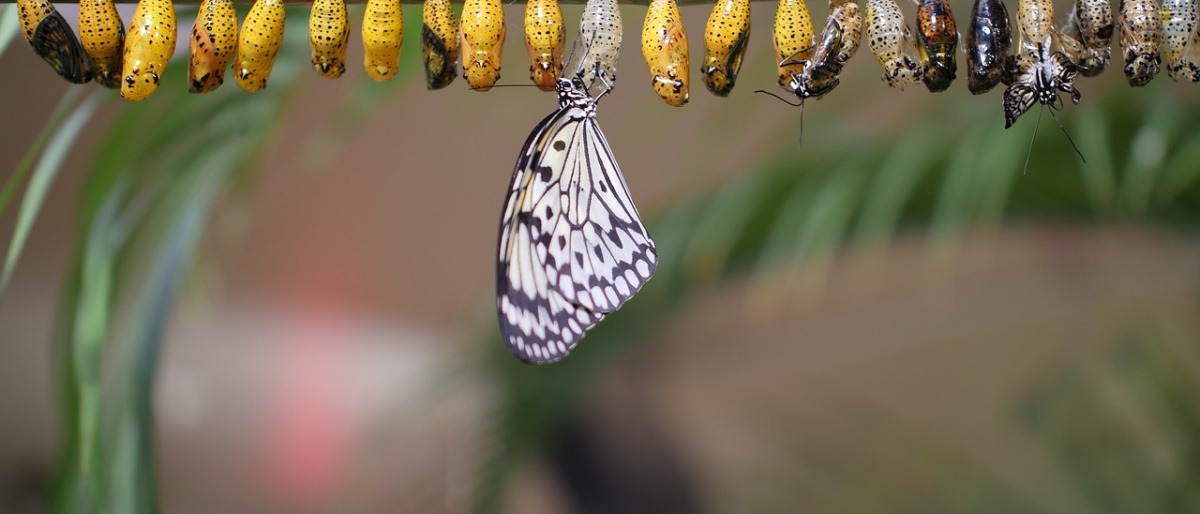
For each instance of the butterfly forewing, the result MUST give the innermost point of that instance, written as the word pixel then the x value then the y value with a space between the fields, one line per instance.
pixel 572 247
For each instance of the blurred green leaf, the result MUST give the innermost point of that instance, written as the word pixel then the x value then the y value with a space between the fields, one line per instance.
pixel 146 201
pixel 48 165
pixel 892 187
pixel 64 107
pixel 9 26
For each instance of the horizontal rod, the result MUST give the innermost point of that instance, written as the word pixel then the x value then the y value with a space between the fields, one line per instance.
pixel 309 2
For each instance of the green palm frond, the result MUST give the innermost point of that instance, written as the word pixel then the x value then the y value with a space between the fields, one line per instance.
pixel 48 152
pixel 9 28
pixel 147 201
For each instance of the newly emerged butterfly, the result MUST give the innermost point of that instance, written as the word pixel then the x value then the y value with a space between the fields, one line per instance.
pixel 103 36
pixel 1040 71
pixel 793 38
pixel 53 40
pixel 439 43
pixel 328 35
pixel 572 248
pixel 382 33
pixel 214 39
pixel 839 41
pixel 148 48
pixel 258 43
pixel 820 69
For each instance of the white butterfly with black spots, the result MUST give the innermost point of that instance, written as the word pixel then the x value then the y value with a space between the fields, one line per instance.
pixel 572 247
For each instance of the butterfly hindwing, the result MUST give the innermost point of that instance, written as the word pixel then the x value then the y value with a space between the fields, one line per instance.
pixel 572 246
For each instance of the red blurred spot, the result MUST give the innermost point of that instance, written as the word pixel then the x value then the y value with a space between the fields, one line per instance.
pixel 309 429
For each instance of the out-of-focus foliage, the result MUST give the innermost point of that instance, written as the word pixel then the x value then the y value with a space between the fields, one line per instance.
pixel 1125 436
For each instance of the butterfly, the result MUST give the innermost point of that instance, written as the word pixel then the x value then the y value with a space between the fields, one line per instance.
pixel 572 248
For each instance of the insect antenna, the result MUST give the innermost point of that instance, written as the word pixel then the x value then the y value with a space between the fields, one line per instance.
pixel 571 58
pixel 581 65
pixel 780 98
pixel 472 88
pixel 1069 140
pixel 1032 138
pixel 784 100
pixel 800 138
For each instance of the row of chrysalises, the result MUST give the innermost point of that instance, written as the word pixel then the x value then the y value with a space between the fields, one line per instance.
pixel 1045 62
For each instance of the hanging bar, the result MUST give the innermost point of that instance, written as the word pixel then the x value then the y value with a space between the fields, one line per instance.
pixel 417 2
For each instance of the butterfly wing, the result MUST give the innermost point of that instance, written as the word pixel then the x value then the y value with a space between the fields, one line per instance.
pixel 1018 98
pixel 572 246
pixel 56 43
pixel 438 58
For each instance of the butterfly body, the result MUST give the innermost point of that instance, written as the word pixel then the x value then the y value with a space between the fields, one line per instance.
pixel 1040 68
pixel 839 41
pixel 572 248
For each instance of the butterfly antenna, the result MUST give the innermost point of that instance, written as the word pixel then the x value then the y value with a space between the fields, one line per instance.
pixel 571 58
pixel 1064 131
pixel 800 140
pixel 780 98
pixel 1032 138
pixel 473 88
